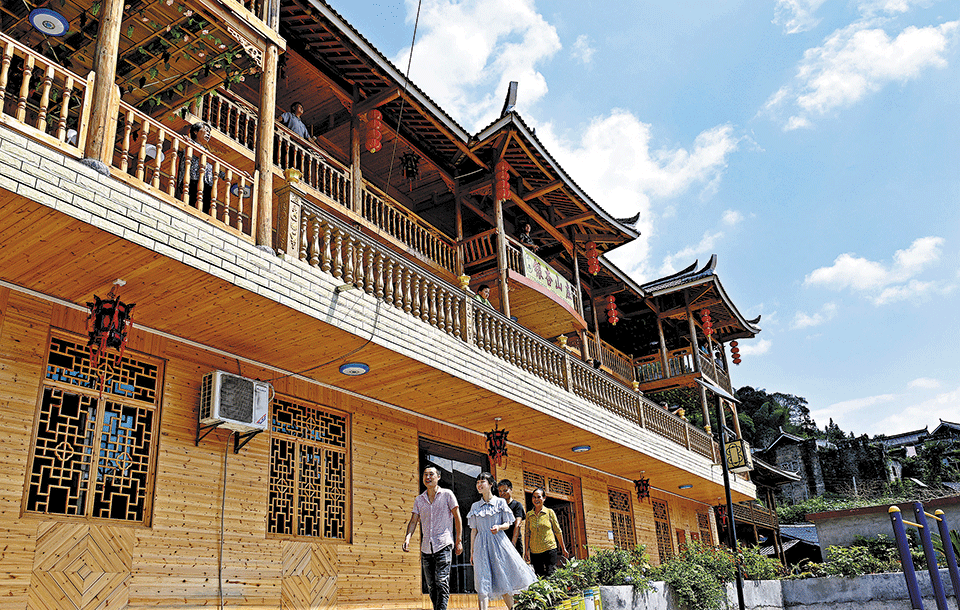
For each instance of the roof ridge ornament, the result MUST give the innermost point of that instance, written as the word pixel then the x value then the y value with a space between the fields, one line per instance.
pixel 511 100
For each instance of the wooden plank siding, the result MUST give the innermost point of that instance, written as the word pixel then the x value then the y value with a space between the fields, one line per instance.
pixel 173 561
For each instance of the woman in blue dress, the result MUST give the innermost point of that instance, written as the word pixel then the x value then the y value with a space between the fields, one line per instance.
pixel 498 570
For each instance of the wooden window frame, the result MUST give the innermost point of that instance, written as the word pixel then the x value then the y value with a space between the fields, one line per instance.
pixel 104 454
pixel 295 484
pixel 622 520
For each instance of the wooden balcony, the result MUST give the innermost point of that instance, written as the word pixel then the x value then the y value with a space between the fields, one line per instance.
pixel 540 298
pixel 680 370
pixel 754 513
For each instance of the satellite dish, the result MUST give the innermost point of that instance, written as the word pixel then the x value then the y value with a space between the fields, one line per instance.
pixel 49 22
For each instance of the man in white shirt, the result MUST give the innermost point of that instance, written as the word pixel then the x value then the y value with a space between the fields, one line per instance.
pixel 438 513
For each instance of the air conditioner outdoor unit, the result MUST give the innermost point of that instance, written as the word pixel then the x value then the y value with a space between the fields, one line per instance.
pixel 234 402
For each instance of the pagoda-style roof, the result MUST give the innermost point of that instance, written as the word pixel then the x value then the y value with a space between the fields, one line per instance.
pixel 946 429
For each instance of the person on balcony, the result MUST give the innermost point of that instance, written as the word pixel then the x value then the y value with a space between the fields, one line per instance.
pixel 525 239
pixel 483 295
pixel 498 570
pixel 544 536
pixel 294 123
pixel 200 138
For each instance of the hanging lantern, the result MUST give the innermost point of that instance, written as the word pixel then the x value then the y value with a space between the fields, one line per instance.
pixel 374 131
pixel 108 324
pixel 612 313
pixel 593 258
pixel 497 444
pixel 502 181
pixel 735 352
pixel 706 321
pixel 410 163
pixel 643 488
pixel 721 514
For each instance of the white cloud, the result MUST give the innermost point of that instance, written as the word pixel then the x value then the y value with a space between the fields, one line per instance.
pixel 754 347
pixel 883 283
pixel 796 15
pixel 466 68
pixel 855 61
pixel 613 159
pixel 914 415
pixel 924 383
pixel 804 320
pixel 582 50
pixel 841 410
pixel 732 218
pixel 687 255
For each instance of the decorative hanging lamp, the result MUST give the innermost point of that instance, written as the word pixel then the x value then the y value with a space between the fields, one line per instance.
pixel 374 131
pixel 706 321
pixel 643 487
pixel 502 181
pixel 593 258
pixel 613 316
pixel 497 444
pixel 735 352
pixel 410 162
pixel 108 325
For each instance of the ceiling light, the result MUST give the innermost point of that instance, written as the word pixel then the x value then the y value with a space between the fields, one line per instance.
pixel 581 448
pixel 687 486
pixel 353 369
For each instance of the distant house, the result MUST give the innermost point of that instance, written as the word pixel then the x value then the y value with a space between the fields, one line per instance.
pixel 800 543
pixel 801 456
pixel 899 447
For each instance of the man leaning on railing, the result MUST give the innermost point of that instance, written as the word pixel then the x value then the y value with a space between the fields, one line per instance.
pixel 294 123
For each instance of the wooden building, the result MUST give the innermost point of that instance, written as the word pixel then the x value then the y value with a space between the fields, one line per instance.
pixel 340 269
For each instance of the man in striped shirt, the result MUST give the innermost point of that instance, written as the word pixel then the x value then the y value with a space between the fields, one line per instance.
pixel 438 513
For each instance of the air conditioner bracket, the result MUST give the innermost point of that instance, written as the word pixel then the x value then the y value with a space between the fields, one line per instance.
pixel 239 440
pixel 209 428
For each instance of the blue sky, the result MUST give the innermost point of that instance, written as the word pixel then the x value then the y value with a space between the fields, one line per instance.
pixel 812 145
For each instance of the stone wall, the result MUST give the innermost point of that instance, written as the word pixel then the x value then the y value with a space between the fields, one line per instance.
pixel 841 527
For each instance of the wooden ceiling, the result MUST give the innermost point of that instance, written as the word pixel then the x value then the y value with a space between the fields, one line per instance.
pixel 46 251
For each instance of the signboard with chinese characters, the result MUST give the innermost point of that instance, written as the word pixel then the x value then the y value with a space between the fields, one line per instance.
pixel 540 272
pixel 738 456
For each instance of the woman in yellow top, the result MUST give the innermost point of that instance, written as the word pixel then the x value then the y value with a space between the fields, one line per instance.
pixel 543 535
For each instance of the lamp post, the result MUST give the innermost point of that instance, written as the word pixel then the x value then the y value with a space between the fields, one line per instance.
pixel 732 524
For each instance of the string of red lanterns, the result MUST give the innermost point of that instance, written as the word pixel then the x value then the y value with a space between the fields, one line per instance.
pixel 502 181
pixel 707 321
pixel 374 131
pixel 613 316
pixel 735 352
pixel 593 258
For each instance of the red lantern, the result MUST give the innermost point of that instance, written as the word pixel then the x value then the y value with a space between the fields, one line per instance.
pixel 593 262
pixel 612 313
pixel 374 131
pixel 707 321
pixel 109 322
pixel 733 344
pixel 643 488
pixel 736 361
pixel 497 444
pixel 502 181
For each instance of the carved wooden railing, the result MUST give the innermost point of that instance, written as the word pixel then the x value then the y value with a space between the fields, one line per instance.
pixel 329 245
pixel 319 172
pixel 231 116
pixel 150 155
pixel 649 368
pixel 43 97
pixel 482 247
pixel 408 229
pixel 709 368
pixel 620 364
pixel 751 512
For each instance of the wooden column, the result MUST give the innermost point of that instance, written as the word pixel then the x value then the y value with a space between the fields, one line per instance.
pixel 264 154
pixel 664 365
pixel 736 419
pixel 706 410
pixel 356 176
pixel 596 329
pixel 694 344
pixel 576 279
pixel 98 151
pixel 502 257
pixel 456 197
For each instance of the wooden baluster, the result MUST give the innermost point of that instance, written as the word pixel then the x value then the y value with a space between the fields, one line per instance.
pixel 415 293
pixel 315 242
pixel 370 278
pixel 378 276
pixel 432 300
pixel 161 137
pixel 229 207
pixel 338 254
pixel 187 173
pixel 407 297
pixel 142 153
pixel 448 311
pixel 28 63
pixel 388 281
pixel 125 150
pixel 326 256
pixel 45 100
pixel 5 66
pixel 215 191
pixel 349 259
pixel 175 154
pixel 303 235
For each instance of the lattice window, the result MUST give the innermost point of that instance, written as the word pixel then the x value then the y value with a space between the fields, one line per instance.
pixel 560 487
pixel 621 520
pixel 661 518
pixel 703 522
pixel 534 480
pixel 309 470
pixel 93 455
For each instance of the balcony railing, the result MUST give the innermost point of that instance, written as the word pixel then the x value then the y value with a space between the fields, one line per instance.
pixel 751 512
pixel 649 368
pixel 42 98
pixel 709 368
pixel 482 247
pixel 327 244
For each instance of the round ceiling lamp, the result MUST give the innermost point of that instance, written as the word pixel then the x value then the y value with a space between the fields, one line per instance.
pixel 581 449
pixel 49 22
pixel 354 369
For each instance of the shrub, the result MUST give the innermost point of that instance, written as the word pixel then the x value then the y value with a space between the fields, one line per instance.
pixel 694 586
pixel 757 566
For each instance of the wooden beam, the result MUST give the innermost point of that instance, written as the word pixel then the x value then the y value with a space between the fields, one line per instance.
pixel 575 219
pixel 543 190
pixel 555 233
pixel 604 237
pixel 618 287
pixel 375 101
pixel 446 132
pixel 476 210
pixel 677 311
